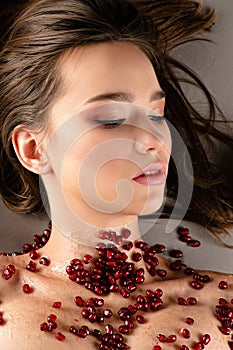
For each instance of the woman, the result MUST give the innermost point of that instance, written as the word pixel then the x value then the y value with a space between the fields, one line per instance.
pixel 83 88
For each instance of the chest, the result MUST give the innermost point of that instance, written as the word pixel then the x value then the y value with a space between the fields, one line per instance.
pixel 169 315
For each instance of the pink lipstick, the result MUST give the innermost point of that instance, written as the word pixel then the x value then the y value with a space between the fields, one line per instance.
pixel 152 174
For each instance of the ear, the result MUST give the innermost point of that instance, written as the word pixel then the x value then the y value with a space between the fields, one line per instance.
pixel 28 151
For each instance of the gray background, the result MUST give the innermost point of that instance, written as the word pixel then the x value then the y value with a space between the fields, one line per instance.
pixel 214 64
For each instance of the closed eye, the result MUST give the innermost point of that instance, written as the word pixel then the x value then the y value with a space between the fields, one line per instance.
pixel 110 124
pixel 157 118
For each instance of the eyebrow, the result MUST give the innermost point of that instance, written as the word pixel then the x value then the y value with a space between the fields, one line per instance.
pixel 124 97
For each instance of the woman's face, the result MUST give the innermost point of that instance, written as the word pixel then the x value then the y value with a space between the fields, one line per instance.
pixel 106 130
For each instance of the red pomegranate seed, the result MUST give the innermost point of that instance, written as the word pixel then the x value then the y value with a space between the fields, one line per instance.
pixel 205 339
pixel 198 346
pixel 176 253
pixel 51 318
pixel 87 259
pixel 44 261
pixel 125 233
pixel 27 289
pixel 59 336
pixel 124 329
pixel 189 321
pixel 109 329
pixel 171 338
pixel 33 255
pixel 159 293
pixel 6 274
pixel 230 344
pixel 194 243
pixel 185 333
pixel 79 301
pixel 137 257
pixel 157 347
pixel 127 245
pixel 44 327
pixel 105 235
pixel 223 285
pixel 2 321
pixel 31 266
pixel 183 231
pixel 188 271
pixel 184 347
pixel 107 313
pixel 57 305
pixel 140 319
pixel 196 285
pixel 223 302
pixel 162 338
pixel 161 273
pixel 192 301
pixel 96 333
pixel 125 293
pixel 225 330
pixel 182 301
pixel 11 268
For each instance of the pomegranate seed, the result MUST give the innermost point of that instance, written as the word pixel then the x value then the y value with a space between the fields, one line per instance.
pixel 107 313
pixel 6 274
pixel 140 319
pixel 182 301
pixel 137 257
pixel 171 338
pixel 194 243
pixel 27 289
pixel 31 266
pixel 225 330
pixel 192 301
pixel 33 255
pixel 184 347
pixel 188 271
pixel 183 231
pixel 44 327
pixel 198 346
pixel 11 268
pixel 57 305
pixel 205 339
pixel 125 233
pixel 59 336
pixel 87 259
pixel 161 273
pixel 51 318
pixel 176 253
pixel 189 321
pixel 79 301
pixel 44 261
pixel 125 293
pixel 127 245
pixel 223 285
pixel 196 285
pixel 109 329
pixel 157 347
pixel 124 329
pixel 96 333
pixel 230 344
pixel 185 333
pixel 162 338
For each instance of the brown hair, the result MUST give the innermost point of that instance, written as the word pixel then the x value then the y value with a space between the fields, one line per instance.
pixel 30 81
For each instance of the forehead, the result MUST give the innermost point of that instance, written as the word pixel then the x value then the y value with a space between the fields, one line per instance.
pixel 102 68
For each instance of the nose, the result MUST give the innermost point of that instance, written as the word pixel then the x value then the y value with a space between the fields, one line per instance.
pixel 147 142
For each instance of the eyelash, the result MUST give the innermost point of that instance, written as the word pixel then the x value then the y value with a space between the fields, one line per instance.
pixel 111 124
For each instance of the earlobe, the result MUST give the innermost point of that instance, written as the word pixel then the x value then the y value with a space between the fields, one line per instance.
pixel 26 147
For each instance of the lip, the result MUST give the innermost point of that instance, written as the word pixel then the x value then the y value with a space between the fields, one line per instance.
pixel 152 179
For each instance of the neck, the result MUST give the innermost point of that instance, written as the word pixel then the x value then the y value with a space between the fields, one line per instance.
pixel 62 247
